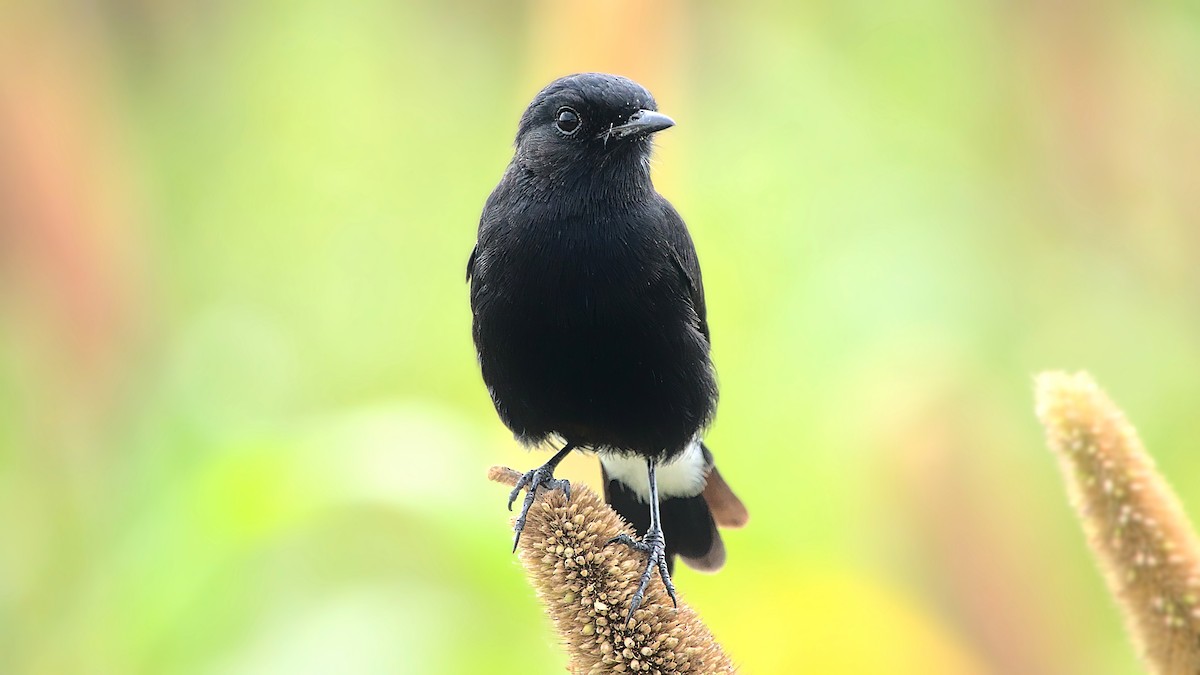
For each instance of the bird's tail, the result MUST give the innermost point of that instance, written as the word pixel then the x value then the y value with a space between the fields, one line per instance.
pixel 689 524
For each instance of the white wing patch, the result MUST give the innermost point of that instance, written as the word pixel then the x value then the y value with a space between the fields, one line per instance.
pixel 683 476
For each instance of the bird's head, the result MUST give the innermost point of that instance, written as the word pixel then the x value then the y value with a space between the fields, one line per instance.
pixel 588 122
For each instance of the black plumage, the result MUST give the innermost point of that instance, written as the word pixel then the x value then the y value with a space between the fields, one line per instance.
pixel 588 303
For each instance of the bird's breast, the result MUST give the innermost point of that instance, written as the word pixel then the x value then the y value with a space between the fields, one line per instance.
pixel 590 278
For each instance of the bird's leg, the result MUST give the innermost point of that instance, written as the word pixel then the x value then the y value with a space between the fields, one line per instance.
pixel 654 545
pixel 543 476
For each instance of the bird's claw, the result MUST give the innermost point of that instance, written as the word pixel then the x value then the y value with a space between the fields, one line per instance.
pixel 654 546
pixel 541 477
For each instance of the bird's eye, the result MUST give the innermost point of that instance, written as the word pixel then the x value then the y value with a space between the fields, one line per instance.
pixel 567 121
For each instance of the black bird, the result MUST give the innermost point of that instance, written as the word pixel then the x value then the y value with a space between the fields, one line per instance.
pixel 589 320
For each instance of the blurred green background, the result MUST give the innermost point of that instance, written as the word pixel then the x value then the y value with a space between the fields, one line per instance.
pixel 242 428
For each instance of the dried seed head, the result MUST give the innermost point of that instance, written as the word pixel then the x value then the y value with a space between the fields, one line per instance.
pixel 1133 521
pixel 586 586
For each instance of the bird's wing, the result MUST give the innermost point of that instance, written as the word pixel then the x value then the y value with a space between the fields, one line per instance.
pixel 683 257
pixel 471 262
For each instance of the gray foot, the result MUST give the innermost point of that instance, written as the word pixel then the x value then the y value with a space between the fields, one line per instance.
pixel 541 477
pixel 654 546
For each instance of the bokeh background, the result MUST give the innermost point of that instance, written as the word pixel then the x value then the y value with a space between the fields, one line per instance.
pixel 241 424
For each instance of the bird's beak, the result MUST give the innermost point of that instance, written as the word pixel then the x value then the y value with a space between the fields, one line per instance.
pixel 641 123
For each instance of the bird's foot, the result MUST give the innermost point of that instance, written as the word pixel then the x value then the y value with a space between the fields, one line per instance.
pixel 655 547
pixel 541 477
